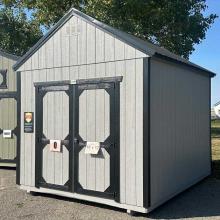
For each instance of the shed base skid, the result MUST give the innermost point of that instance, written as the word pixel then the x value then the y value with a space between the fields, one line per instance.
pixel 109 202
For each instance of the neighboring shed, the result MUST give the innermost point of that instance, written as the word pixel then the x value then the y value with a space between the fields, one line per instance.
pixel 217 109
pixel 8 110
pixel 213 114
pixel 94 88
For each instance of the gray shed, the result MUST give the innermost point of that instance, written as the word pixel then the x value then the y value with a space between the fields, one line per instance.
pixel 116 120
pixel 8 110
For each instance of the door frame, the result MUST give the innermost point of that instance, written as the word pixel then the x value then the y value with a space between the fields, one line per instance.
pixel 112 86
pixel 16 130
pixel 41 89
pixel 72 184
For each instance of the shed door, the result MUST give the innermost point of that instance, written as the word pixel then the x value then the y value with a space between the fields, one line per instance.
pixel 97 124
pixel 8 128
pixel 52 124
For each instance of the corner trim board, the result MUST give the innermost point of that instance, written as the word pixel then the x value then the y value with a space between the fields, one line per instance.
pixel 210 124
pixel 18 127
pixel 146 133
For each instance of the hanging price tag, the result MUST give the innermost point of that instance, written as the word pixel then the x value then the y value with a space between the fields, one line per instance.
pixel 7 134
pixel 55 145
pixel 92 148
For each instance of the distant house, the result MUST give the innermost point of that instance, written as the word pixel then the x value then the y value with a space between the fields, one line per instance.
pixel 213 115
pixel 217 109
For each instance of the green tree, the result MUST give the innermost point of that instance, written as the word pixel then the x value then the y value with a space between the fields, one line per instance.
pixel 174 24
pixel 17 33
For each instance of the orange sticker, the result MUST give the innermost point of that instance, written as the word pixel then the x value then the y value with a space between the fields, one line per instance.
pixel 28 117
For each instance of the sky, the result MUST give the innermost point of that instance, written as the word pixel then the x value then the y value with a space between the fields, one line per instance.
pixel 207 54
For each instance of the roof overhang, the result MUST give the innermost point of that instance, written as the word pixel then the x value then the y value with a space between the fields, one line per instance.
pixel 8 55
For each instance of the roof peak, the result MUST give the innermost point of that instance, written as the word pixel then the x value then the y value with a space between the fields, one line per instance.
pixel 141 45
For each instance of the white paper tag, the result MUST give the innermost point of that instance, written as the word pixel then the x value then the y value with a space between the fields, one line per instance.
pixel 92 148
pixel 7 134
pixel 55 145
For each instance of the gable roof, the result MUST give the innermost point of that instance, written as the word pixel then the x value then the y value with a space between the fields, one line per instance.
pixel 9 56
pixel 142 45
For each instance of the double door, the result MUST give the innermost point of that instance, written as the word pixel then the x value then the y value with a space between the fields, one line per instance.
pixel 77 136
pixel 9 133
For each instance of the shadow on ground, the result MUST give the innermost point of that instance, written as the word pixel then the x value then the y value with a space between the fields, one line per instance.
pixel 201 200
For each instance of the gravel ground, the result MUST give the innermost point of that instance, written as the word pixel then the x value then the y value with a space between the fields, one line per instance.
pixel 199 202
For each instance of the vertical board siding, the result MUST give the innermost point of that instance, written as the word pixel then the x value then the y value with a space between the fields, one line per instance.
pixel 77 56
pixel 55 127
pixel 80 43
pixel 8 111
pixel 94 118
pixel 180 148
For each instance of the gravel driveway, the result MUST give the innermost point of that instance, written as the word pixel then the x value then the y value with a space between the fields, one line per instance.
pixel 201 201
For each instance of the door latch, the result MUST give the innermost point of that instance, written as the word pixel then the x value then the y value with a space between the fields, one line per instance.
pixel 76 141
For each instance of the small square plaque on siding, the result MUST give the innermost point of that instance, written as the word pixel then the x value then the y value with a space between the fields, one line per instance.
pixel 28 122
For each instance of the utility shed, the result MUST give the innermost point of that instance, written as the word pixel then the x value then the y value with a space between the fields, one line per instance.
pixel 117 120
pixel 8 110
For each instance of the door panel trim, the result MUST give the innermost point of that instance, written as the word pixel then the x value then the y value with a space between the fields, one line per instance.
pixel 15 131
pixel 113 89
pixel 81 81
pixel 41 141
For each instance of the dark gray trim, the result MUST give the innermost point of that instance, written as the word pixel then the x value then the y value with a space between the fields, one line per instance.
pixel 6 95
pixel 9 56
pixel 18 128
pixel 143 46
pixel 3 85
pixel 72 125
pixel 80 81
pixel 99 80
pixel 117 141
pixel 52 83
pixel 210 124
pixel 8 161
pixel 146 133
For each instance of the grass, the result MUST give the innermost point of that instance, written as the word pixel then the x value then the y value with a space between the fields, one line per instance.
pixel 216 148
pixel 216 129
